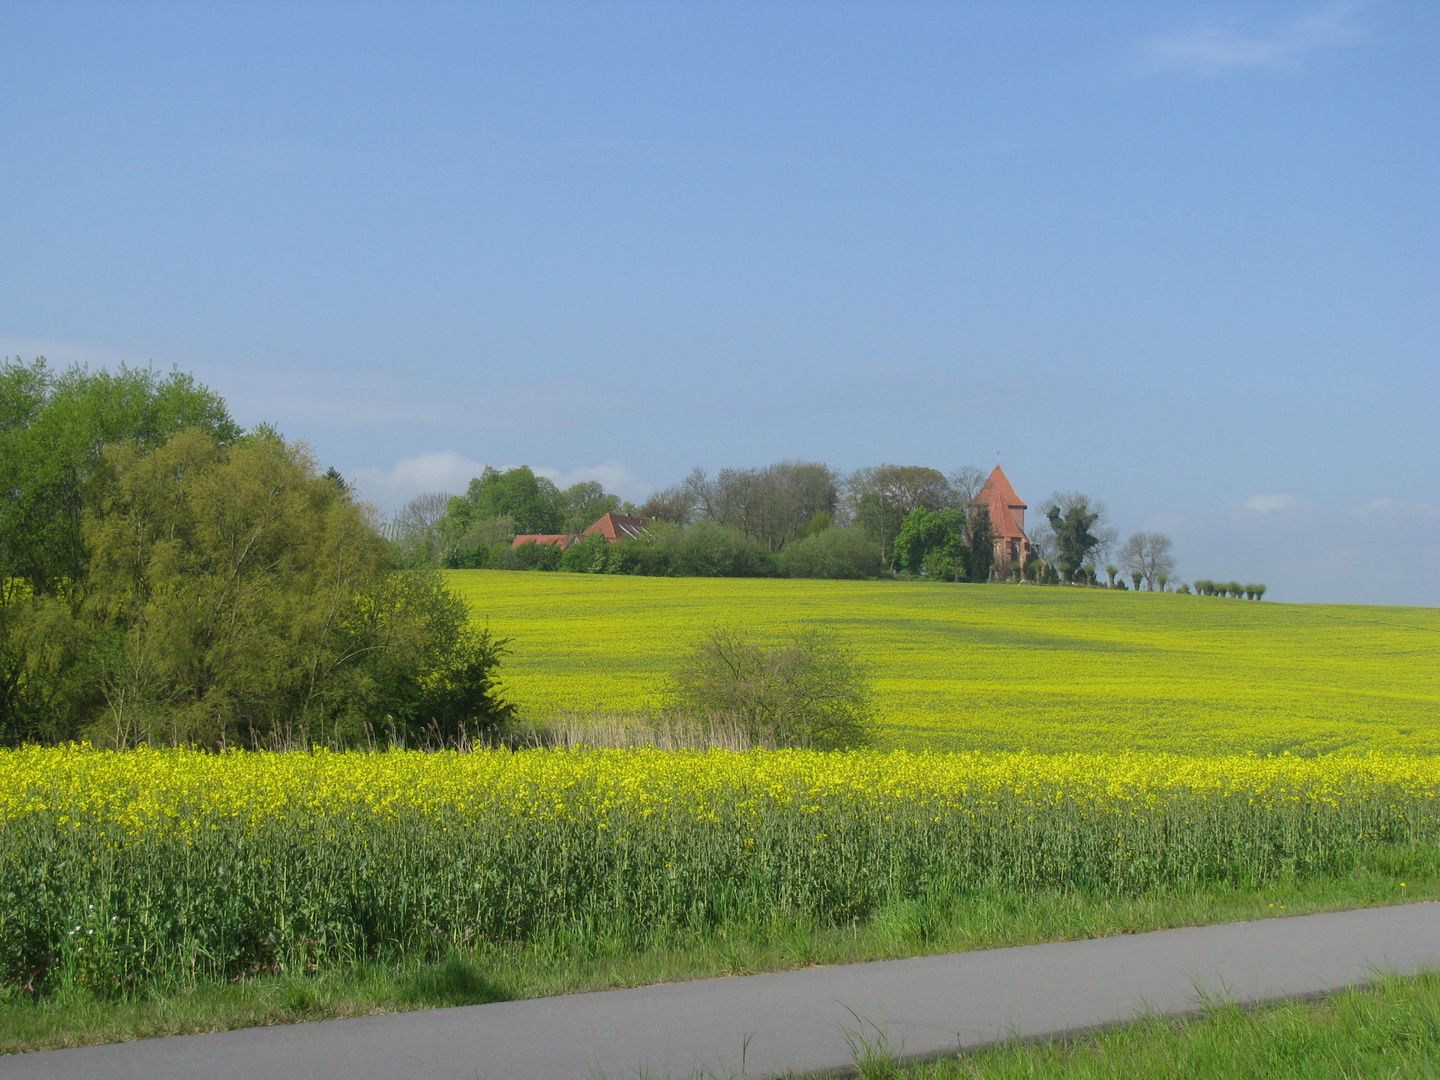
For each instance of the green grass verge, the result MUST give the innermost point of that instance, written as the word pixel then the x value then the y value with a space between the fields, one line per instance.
pixel 1390 1029
pixel 1000 667
pixel 574 961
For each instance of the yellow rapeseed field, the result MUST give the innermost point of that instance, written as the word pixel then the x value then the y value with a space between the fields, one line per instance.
pixel 116 867
pixel 1000 667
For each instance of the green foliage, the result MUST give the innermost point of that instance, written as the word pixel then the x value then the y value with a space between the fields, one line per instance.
pixel 810 692
pixel 53 429
pixel 649 557
pixel 979 544
pixel 1205 587
pixel 1072 517
pixel 707 549
pixel 831 552
pixel 232 592
pixel 533 556
pixel 499 505
pixel 947 545
pixel 482 544
pixel 933 541
pixel 530 503
pixel 881 498
pixel 582 504
pixel 588 556
pixel 704 549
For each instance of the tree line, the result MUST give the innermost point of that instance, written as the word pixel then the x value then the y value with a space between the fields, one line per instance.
pixel 166 577
pixel 792 518
pixel 789 519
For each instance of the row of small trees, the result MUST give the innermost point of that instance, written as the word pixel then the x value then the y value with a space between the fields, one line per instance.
pixel 1230 588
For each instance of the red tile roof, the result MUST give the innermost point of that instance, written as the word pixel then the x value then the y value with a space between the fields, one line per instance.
pixel 1000 498
pixel 617 527
pixel 560 540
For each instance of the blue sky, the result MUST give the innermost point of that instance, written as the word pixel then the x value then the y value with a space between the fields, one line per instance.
pixel 1183 257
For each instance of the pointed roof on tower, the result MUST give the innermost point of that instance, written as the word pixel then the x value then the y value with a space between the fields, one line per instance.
pixel 1000 498
pixel 998 487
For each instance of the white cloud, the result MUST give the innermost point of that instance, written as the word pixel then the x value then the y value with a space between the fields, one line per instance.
pixel 1271 504
pixel 1214 50
pixel 614 476
pixel 443 470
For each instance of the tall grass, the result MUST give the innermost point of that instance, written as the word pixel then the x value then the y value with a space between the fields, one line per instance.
pixel 123 867
pixel 609 730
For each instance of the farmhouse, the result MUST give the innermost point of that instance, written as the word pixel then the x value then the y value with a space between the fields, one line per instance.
pixel 1007 521
pixel 617 527
pixel 612 527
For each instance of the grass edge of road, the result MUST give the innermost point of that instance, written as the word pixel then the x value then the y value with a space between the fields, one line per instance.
pixel 571 962
pixel 1389 1027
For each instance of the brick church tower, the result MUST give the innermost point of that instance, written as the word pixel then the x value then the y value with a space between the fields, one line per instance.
pixel 1007 521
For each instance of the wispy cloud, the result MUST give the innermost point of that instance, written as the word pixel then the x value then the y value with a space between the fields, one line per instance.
pixel 1271 504
pixel 450 471
pixel 1400 512
pixel 1215 50
pixel 444 470
pixel 615 477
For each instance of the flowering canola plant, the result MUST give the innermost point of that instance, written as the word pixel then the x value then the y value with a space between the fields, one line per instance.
pixel 118 867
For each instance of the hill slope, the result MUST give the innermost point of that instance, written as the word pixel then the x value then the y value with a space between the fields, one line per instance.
pixel 1003 666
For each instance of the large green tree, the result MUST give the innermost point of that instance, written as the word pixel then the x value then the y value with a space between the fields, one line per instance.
pixel 933 541
pixel 948 545
pixel 526 503
pixel 532 502
pixel 583 503
pixel 979 543
pixel 234 593
pixel 1076 520
pixel 53 430
pixel 165 578
pixel 880 498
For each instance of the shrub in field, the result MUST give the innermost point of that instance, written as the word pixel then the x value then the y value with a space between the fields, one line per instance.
pixel 810 691
pixel 831 553
pixel 588 556
pixel 121 867
pixel 706 549
pixel 533 556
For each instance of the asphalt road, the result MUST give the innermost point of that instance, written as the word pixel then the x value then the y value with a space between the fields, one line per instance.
pixel 795 1021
